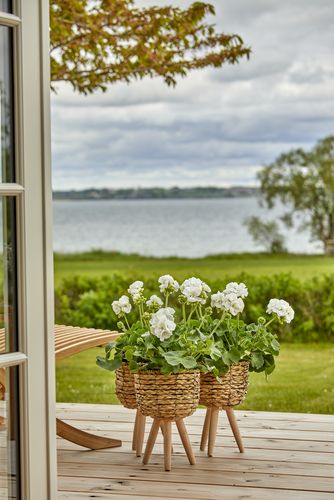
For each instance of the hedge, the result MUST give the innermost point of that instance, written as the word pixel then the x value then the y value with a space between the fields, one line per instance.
pixel 85 302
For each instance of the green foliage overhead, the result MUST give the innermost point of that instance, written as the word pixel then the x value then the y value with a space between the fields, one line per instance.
pixel 304 182
pixel 96 43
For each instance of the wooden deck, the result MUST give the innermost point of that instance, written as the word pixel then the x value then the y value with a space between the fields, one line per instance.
pixel 288 456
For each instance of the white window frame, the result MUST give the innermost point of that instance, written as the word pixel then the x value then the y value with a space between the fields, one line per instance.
pixel 33 194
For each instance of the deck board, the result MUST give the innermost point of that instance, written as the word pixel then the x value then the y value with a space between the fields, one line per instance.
pixel 287 456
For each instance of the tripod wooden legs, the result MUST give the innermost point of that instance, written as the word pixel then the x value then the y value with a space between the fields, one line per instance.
pixel 167 435
pixel 209 431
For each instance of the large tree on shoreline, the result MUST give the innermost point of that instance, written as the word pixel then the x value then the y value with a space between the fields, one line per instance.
pixel 304 182
pixel 95 43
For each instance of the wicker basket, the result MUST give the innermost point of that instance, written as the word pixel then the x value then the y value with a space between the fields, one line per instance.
pixel 125 387
pixel 168 397
pixel 231 391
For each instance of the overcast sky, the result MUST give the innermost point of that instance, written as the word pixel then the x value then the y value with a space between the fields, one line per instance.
pixel 218 126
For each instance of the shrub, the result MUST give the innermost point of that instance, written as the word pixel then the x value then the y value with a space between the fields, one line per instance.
pixel 86 302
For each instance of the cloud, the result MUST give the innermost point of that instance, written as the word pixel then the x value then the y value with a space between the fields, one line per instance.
pixel 217 126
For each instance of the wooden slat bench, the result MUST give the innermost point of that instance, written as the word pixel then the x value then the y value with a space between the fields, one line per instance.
pixel 71 340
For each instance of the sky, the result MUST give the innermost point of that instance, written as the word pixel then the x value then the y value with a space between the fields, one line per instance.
pixel 218 126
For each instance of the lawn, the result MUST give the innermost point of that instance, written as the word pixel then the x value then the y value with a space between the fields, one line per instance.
pixel 302 382
pixel 103 263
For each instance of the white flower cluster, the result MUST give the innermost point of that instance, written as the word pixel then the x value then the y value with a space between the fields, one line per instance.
pixel 121 306
pixel 195 290
pixel 136 290
pixel 162 323
pixel 154 302
pixel 230 300
pixel 240 289
pixel 282 309
pixel 168 284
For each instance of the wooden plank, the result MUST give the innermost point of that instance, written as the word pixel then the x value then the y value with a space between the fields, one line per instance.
pixel 196 420
pixel 205 463
pixel 265 433
pixel 195 476
pixel 249 442
pixel 259 415
pixel 226 453
pixel 72 488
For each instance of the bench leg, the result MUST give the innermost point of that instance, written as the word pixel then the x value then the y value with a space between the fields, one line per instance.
pixel 85 439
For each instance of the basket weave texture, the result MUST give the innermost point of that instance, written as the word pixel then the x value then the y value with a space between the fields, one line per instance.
pixel 231 391
pixel 125 387
pixel 168 397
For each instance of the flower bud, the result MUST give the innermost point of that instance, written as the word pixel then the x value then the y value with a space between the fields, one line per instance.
pixel 182 299
pixel 121 326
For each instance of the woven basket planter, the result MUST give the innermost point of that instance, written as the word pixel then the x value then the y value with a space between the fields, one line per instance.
pixel 231 391
pixel 125 387
pixel 167 397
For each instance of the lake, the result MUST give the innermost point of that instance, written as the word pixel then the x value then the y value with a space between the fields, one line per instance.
pixel 185 228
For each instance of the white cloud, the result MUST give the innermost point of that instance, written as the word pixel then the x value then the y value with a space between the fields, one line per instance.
pixel 217 126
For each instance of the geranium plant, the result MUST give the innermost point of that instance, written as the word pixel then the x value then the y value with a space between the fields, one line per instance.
pixel 201 333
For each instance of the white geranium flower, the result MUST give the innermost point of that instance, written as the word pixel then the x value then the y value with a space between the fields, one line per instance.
pixel 218 300
pixel 162 323
pixel 168 284
pixel 282 309
pixel 240 289
pixel 146 334
pixel 121 306
pixel 136 290
pixel 195 290
pixel 154 302
pixel 230 302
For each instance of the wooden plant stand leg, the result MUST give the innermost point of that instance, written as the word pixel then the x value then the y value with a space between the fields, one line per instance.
pixel 167 425
pixel 151 440
pixel 185 441
pixel 213 430
pixel 205 431
pixel 140 433
pixel 163 432
pixel 235 428
pixel 135 432
pixel 85 439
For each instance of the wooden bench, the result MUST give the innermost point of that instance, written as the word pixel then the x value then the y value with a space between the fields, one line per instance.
pixel 71 340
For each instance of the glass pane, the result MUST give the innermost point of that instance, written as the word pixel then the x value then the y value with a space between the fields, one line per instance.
pixel 9 433
pixel 8 302
pixel 6 108
pixel 5 6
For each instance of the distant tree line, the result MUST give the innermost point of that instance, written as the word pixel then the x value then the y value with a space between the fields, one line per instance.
pixel 156 193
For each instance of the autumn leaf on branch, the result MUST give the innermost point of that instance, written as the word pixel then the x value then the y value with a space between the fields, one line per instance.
pixel 96 43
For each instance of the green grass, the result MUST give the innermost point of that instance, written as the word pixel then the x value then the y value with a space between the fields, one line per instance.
pixel 103 263
pixel 302 382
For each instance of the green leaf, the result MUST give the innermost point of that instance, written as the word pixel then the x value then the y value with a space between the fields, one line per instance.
pixel 275 345
pixel 234 355
pixel 226 358
pixel 173 358
pixel 110 365
pixel 188 362
pixel 257 360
